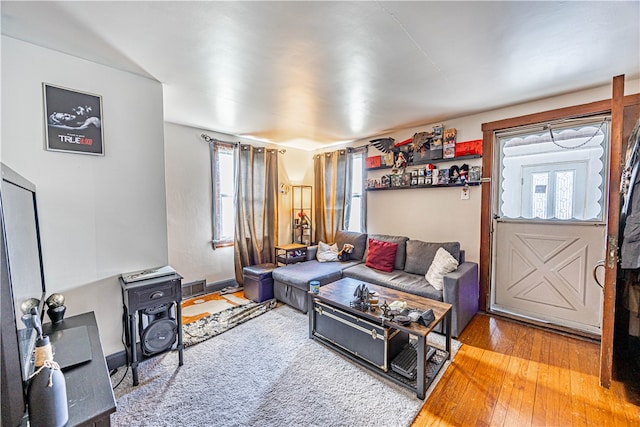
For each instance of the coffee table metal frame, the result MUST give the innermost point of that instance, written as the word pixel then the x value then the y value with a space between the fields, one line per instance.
pixel 338 295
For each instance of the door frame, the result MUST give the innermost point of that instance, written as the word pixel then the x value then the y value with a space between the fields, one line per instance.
pixel 607 106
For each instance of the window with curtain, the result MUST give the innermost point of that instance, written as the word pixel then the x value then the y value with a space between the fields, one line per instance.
pixel 223 189
pixel 339 197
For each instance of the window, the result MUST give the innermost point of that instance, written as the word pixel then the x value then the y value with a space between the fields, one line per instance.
pixel 555 171
pixel 355 214
pixel 553 195
pixel 223 179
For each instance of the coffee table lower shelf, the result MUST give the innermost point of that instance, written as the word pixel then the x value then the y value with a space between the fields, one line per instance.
pixel 434 365
pixel 374 342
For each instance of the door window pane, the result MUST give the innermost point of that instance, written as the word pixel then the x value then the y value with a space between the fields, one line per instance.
pixel 540 182
pixel 554 172
pixel 564 195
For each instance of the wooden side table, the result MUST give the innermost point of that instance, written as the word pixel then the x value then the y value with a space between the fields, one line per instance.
pixel 290 254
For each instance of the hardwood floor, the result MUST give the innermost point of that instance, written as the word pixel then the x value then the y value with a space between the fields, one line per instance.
pixel 508 374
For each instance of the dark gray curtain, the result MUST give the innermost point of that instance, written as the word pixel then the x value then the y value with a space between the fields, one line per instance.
pixel 331 192
pixel 256 202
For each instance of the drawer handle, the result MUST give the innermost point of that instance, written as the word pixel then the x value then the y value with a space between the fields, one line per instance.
pixel 157 294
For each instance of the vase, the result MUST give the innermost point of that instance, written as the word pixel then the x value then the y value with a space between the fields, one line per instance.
pixel 47 390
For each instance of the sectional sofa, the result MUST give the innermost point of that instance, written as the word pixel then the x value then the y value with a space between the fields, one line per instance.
pixel 412 261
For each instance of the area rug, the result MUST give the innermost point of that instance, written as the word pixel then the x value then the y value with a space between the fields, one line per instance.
pixel 205 305
pixel 221 321
pixel 266 372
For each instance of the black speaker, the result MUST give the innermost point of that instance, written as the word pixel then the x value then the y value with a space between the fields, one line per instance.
pixel 158 328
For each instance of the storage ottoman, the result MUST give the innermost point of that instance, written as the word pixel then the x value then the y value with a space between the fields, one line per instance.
pixel 291 283
pixel 258 282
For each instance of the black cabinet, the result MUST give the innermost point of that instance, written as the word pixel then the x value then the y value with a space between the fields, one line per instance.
pixel 89 393
pixel 152 319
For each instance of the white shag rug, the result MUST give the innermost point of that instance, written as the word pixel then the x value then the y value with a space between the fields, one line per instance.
pixel 266 372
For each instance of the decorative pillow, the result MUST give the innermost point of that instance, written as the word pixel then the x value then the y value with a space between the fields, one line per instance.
pixel 381 255
pixel 327 252
pixel 420 255
pixel 402 243
pixel 442 264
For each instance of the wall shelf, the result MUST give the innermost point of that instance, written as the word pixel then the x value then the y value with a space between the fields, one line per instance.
pixel 411 187
pixel 302 214
pixel 426 162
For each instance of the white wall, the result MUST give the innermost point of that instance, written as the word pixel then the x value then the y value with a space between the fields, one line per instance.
pixel 436 214
pixel 188 172
pixel 100 216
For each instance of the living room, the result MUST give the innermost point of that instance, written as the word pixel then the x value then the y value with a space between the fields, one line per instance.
pixel 146 202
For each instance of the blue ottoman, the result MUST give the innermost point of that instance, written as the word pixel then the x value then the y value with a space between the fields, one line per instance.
pixel 258 282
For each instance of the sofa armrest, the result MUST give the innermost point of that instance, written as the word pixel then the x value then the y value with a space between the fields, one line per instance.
pixel 461 290
pixel 312 251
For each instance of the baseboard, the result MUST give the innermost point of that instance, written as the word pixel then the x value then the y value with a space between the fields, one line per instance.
pixel 199 287
pixel 218 286
pixel 116 360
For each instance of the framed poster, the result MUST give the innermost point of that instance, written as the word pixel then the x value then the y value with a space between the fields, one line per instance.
pixel 73 121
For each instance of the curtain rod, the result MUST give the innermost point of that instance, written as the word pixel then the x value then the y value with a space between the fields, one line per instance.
pixel 207 138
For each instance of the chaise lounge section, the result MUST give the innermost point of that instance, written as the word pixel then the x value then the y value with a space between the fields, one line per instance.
pixel 412 261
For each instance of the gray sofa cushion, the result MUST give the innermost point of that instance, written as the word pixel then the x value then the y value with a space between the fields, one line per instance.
pixel 402 249
pixel 420 255
pixel 358 240
pixel 397 279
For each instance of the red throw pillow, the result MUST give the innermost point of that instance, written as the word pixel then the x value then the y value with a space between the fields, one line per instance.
pixel 381 255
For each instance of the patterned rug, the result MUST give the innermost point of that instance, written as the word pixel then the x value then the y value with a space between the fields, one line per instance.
pixel 226 316
pixel 196 308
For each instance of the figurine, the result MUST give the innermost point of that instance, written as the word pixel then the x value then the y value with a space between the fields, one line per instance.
pixel 386 310
pixel 361 300
pixel 401 161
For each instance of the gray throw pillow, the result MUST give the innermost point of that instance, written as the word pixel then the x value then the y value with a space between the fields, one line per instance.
pixel 420 254
pixel 358 240
pixel 401 254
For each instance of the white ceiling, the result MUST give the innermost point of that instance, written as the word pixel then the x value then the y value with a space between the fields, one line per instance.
pixel 309 74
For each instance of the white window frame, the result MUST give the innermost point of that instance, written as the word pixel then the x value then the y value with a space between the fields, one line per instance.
pixel 226 152
pixel 356 192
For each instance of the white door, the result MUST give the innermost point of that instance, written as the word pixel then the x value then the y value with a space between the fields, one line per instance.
pixel 549 223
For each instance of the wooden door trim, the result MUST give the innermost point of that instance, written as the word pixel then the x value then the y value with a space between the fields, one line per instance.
pixel 615 107
pixel 488 129
pixel 611 263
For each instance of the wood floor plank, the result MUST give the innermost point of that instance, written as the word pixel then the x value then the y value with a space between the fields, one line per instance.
pixel 520 382
pixel 577 383
pixel 560 399
pixel 490 378
pixel 509 374
pixel 447 394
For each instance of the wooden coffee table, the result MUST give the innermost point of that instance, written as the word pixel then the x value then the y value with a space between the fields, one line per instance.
pixel 371 340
